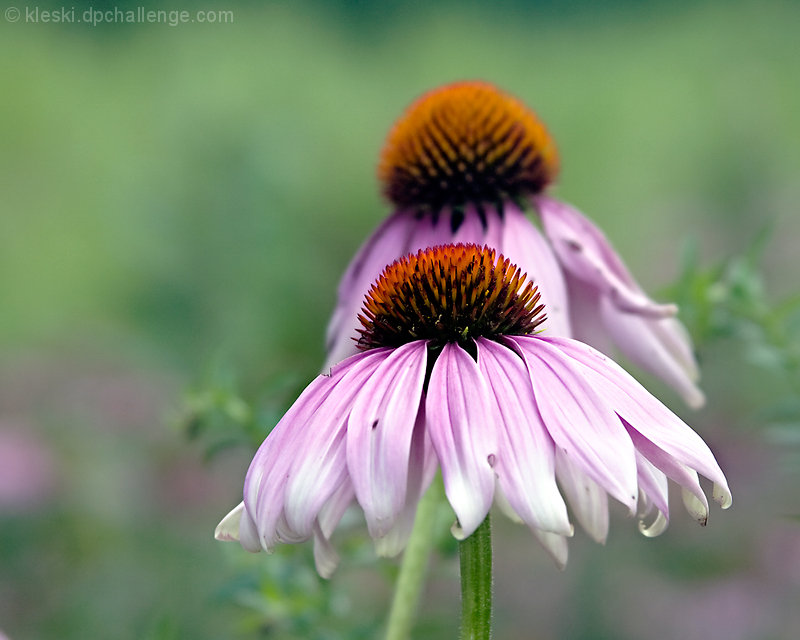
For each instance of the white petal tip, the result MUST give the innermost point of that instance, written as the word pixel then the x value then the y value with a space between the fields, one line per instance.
pixel 458 532
pixel 722 496
pixel 696 507
pixel 655 528
pixel 694 398
pixel 228 529
pixel 325 557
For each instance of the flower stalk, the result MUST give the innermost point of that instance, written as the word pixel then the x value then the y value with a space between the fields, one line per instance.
pixel 411 579
pixel 475 554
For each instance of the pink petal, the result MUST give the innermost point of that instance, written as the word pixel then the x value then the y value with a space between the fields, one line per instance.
pixel 555 545
pixel 525 464
pixel 525 246
pixel 266 480
pixel 646 415
pixel 583 249
pixel 659 346
pixel 579 420
pixel 325 557
pixel 320 466
pixel 653 486
pixel 379 432
pixel 464 434
pixel 387 243
pixel 422 469
pixel 588 501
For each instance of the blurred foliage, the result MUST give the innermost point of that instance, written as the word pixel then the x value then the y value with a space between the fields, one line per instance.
pixel 178 205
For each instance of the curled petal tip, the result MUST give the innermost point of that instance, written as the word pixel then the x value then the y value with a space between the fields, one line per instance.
pixel 694 398
pixel 696 508
pixel 457 531
pixel 643 306
pixel 655 528
pixel 722 496
pixel 228 529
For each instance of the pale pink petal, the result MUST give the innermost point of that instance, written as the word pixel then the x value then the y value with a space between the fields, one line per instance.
pixel 587 500
pixel 659 346
pixel 653 495
pixel 325 557
pixel 525 464
pixel 463 433
pixel 248 534
pixel 525 246
pixel 579 420
pixel 379 433
pixel 228 528
pixel 386 244
pixel 653 487
pixel 646 415
pixel 584 311
pixel 584 250
pixel 555 545
pixel 675 471
pixel 266 480
pixel 322 467
pixel 423 465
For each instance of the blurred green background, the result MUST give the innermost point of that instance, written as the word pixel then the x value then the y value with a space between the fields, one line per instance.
pixel 176 207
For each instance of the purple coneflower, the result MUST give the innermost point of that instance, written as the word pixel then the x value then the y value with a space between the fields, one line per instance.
pixel 462 165
pixel 453 373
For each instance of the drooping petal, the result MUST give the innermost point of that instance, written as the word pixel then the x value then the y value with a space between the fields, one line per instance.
pixel 584 311
pixel 387 243
pixel 525 246
pixel 379 433
pixel 643 330
pixel 644 413
pixel 525 464
pixel 579 420
pixel 463 433
pixel 653 495
pixel 679 473
pixel 584 250
pixel 653 487
pixel 422 468
pixel 588 501
pixel 266 480
pixel 228 528
pixel 659 346
pixel 326 558
pixel 555 545
pixel 322 467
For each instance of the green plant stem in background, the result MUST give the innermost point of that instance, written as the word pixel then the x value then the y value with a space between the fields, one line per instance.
pixel 414 567
pixel 475 554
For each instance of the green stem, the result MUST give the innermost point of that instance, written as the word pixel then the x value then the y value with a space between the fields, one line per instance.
pixel 476 583
pixel 413 569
